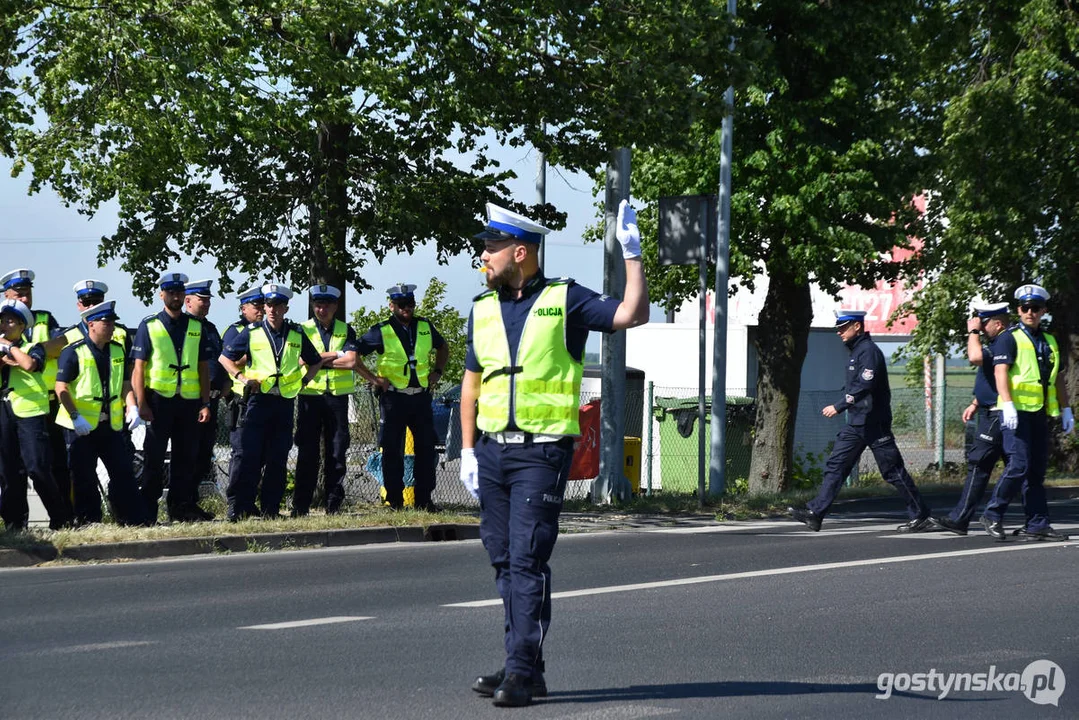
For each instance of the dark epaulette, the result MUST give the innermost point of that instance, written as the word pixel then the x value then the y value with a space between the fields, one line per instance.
pixel 149 317
pixel 484 294
pixel 561 281
pixel 75 345
pixel 380 324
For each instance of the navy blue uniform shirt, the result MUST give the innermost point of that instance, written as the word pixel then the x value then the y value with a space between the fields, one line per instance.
pixel 985 382
pixel 351 343
pixel 128 335
pixel 218 377
pixel 232 331
pixel 372 341
pixel 1005 350
pixel 867 396
pixel 36 351
pixel 177 330
pixel 240 341
pixel 67 366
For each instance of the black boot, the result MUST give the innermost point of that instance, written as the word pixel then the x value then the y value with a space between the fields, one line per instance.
pixel 513 692
pixel 486 685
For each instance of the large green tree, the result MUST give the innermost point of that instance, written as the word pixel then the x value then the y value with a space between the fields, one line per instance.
pixel 826 163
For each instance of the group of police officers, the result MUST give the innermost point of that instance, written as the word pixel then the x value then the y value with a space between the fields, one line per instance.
pixel 71 397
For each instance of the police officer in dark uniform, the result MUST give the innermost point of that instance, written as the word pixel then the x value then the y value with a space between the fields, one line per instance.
pixel 521 390
pixel 1026 363
pixel 94 387
pixel 404 382
pixel 251 312
pixel 868 402
pixel 198 294
pixel 89 293
pixel 274 360
pixel 987 446
pixel 171 380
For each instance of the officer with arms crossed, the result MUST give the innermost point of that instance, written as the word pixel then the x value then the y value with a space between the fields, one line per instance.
pixel 1026 363
pixel 868 402
pixel 197 297
pixel 405 377
pixel 171 379
pixel 93 384
pixel 521 390
pixel 24 410
pixel 988 445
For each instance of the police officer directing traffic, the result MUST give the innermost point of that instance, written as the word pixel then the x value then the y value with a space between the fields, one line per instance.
pixel 322 415
pixel 93 384
pixel 171 380
pixel 987 446
pixel 867 399
pixel 197 297
pixel 519 417
pixel 1026 364
pixel 405 378
pixel 24 409
pixel 269 358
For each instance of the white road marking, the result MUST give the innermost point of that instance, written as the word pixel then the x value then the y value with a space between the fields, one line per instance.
pixel 307 623
pixel 95 647
pixel 1017 547
pixel 727 527
pixel 618 712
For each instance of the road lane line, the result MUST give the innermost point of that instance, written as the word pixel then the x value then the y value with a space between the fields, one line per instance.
pixel 95 647
pixel 783 571
pixel 307 623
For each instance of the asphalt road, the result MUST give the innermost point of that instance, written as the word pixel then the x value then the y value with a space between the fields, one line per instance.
pixel 759 620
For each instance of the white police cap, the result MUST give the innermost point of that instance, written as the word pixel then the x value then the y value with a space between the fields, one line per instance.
pixel 89 287
pixel 1032 293
pixel 17 307
pixel 17 278
pixel 324 292
pixel 251 294
pixel 199 287
pixel 988 310
pixel 101 311
pixel 273 291
pixel 842 317
pixel 503 224
pixel 172 281
pixel 401 290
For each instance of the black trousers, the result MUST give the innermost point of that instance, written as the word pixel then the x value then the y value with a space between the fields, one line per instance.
pixel 322 439
pixel 400 411
pixel 113 449
pixel 25 452
pixel 175 419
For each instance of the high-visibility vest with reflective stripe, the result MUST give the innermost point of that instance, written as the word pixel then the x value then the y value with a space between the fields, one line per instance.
pixel 237 386
pixel 40 334
pixel 261 366
pixel 76 333
pixel 87 392
pixel 163 370
pixel 335 381
pixel 544 385
pixel 393 363
pixel 1028 393
pixel 28 396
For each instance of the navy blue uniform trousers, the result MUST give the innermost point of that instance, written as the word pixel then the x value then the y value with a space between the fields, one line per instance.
pixel 987 447
pixel 113 448
pixel 175 419
pixel 25 451
pixel 322 439
pixel 400 411
pixel 265 440
pixel 521 489
pixel 1027 450
pixel 850 442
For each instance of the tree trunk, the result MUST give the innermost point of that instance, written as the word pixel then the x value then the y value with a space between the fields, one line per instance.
pixel 782 341
pixel 1064 450
pixel 330 227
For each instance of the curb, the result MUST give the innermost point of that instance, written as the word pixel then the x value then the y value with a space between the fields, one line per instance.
pixel 257 542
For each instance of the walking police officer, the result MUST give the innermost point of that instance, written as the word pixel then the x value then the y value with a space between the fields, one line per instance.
pixel 171 380
pixel 269 359
pixel 405 377
pixel 251 312
pixel 322 416
pixel 89 293
pixel 24 409
pixel 198 294
pixel 93 384
pixel 1026 363
pixel 987 446
pixel 521 390
pixel 867 400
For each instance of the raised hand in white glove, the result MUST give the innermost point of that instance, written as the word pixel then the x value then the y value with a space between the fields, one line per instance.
pixel 1067 419
pixel 626 231
pixel 1009 416
pixel 470 472
pixel 81 425
pixel 132 417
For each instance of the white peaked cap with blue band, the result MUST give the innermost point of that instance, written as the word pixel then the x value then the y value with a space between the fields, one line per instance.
pixel 199 287
pixel 101 311
pixel 1032 293
pixel 15 278
pixel 172 281
pixel 17 307
pixel 842 317
pixel 401 290
pixel 324 292
pixel 250 294
pixel 988 310
pixel 503 224
pixel 273 291
pixel 89 287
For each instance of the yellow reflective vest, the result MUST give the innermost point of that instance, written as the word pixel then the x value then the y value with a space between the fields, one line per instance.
pixel 28 395
pixel 1028 393
pixel 164 372
pixel 286 373
pixel 334 381
pixel 89 396
pixel 394 363
pixel 40 334
pixel 545 383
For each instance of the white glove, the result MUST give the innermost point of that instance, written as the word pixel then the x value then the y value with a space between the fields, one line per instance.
pixel 5 348
pixel 627 232
pixel 132 418
pixel 1009 416
pixel 470 472
pixel 1067 419
pixel 82 425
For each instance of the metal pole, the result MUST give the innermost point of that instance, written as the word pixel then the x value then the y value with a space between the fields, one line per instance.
pixel 613 382
pixel 650 419
pixel 702 339
pixel 717 476
pixel 939 414
pixel 541 196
